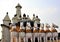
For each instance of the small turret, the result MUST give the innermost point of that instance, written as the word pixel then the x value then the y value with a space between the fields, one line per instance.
pixel 28 19
pixel 24 17
pixel 37 20
pixel 18 5
pixel 15 19
pixel 6 20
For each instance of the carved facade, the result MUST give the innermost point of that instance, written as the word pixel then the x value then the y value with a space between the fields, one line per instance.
pixel 24 29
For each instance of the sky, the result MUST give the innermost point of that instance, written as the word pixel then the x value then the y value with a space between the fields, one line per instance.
pixel 47 10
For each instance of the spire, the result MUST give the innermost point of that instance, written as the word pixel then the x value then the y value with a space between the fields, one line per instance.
pixel 18 5
pixel 6 18
pixel 18 10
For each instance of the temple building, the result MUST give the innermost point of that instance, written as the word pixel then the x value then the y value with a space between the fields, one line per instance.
pixel 24 29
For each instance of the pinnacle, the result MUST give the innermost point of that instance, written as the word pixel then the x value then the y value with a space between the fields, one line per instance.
pixel 6 17
pixel 18 5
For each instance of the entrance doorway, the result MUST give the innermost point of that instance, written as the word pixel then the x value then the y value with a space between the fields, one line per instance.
pixel 29 40
pixel 36 39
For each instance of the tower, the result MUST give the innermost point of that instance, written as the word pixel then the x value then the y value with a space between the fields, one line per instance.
pixel 6 20
pixel 5 29
pixel 18 10
pixel 17 17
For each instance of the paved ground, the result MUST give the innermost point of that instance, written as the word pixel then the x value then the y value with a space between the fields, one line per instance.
pixel 55 41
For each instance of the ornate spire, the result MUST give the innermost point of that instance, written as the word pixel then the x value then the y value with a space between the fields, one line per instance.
pixel 18 11
pixel 18 5
pixel 6 18
pixel 24 15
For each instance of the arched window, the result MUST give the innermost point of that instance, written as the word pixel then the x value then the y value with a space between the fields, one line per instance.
pixel 36 39
pixel 29 40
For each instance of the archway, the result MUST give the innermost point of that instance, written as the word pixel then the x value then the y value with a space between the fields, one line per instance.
pixel 29 40
pixel 36 39
pixel 48 39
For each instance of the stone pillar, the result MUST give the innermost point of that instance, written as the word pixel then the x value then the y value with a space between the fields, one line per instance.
pixel 50 39
pixel 44 39
pixel 34 39
pixel 19 39
pixel 31 39
pixel 56 39
pixel 11 39
pixel 24 39
pixel 16 40
pixel 53 39
pixel 40 39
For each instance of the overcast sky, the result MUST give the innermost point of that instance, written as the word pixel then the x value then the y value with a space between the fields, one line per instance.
pixel 47 10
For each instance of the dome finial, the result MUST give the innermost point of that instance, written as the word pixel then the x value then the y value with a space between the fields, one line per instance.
pixel 33 14
pixel 24 15
pixel 7 13
pixel 18 5
pixel 6 17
